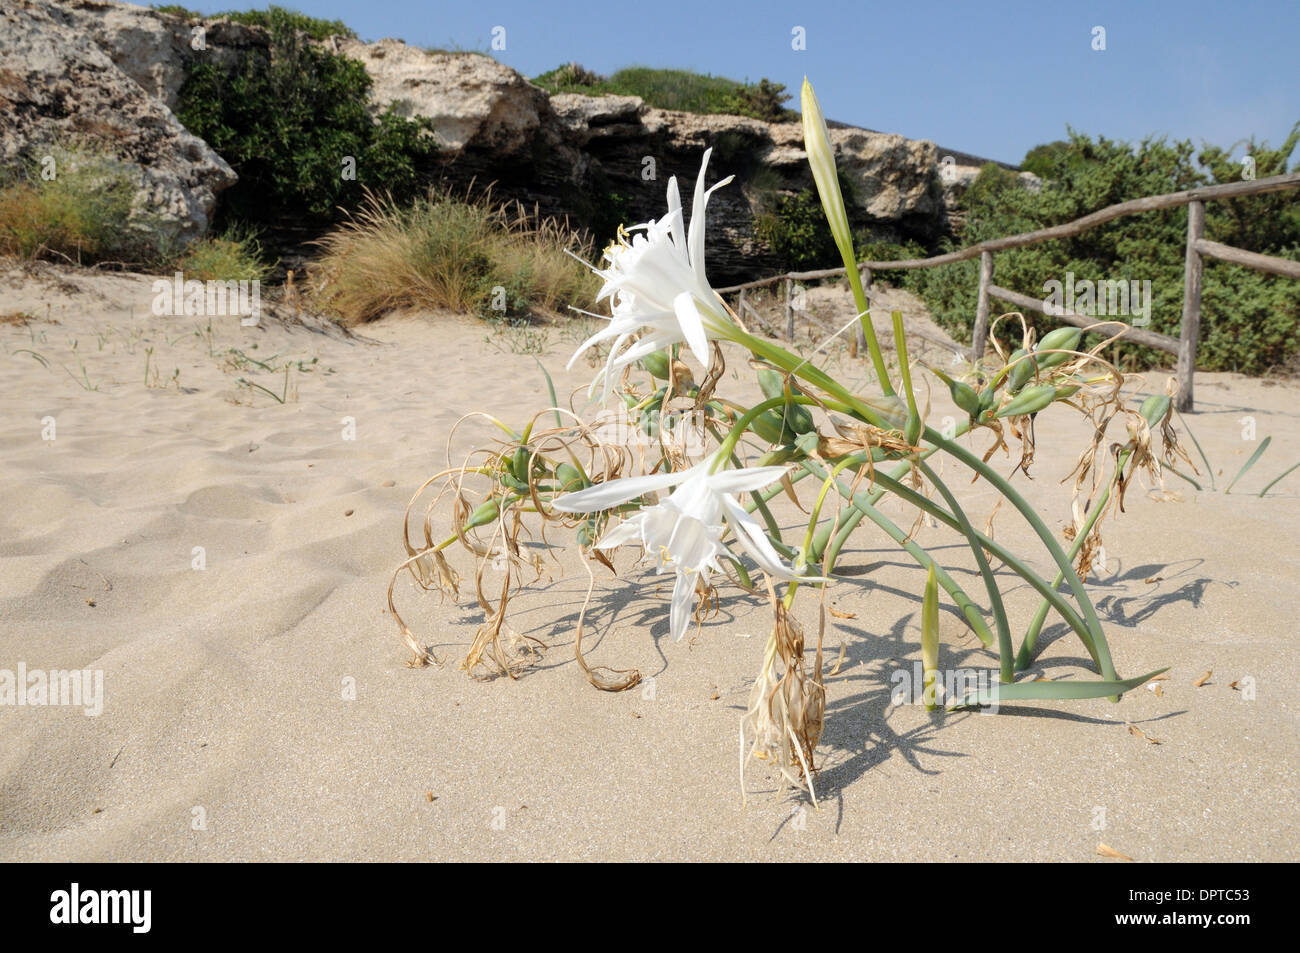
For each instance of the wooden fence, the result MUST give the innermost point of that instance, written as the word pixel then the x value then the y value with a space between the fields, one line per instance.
pixel 1198 248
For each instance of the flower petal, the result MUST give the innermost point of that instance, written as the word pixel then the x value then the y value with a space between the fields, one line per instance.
pixel 688 316
pixel 751 538
pixel 697 217
pixel 625 532
pixel 683 595
pixel 692 546
pixel 613 492
pixel 747 478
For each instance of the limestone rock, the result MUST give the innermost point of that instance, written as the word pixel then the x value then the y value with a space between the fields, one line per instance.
pixel 57 84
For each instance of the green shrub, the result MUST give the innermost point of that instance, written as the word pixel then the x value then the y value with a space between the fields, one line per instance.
pixel 234 255
pixel 271 17
pixel 1248 319
pixel 874 250
pixel 289 122
pixel 275 17
pixel 675 89
pixel 794 227
pixel 175 9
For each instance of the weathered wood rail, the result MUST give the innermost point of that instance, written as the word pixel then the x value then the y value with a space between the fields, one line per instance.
pixel 1198 249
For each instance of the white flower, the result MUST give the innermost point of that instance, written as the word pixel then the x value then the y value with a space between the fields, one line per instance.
pixel 684 532
pixel 655 283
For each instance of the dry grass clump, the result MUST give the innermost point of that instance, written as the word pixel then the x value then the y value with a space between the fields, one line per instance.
pixel 443 252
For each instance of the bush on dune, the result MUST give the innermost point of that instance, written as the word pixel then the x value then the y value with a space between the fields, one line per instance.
pixel 675 89
pixel 441 252
pixel 296 125
pixel 234 255
pixel 1248 318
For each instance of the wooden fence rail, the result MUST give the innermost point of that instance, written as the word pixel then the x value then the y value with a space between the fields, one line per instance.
pixel 1198 248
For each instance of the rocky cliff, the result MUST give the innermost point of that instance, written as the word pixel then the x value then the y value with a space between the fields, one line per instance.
pixel 113 71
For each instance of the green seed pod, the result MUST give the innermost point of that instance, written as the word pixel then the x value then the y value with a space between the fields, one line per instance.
pixel 770 426
pixel 772 383
pixel 515 484
pixel 797 417
pixel 519 464
pixel 1066 338
pixel 1021 373
pixel 569 478
pixel 1154 408
pixel 658 365
pixel 486 512
pixel 1029 401
pixel 963 395
pixel 988 397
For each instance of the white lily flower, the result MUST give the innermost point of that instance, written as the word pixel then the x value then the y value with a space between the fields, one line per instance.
pixel 684 532
pixel 656 285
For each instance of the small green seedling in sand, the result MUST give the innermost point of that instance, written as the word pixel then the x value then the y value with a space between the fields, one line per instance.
pixel 1253 459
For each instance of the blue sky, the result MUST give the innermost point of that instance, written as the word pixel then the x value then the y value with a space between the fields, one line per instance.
pixel 989 79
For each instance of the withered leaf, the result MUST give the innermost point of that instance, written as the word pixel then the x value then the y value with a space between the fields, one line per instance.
pixel 1107 851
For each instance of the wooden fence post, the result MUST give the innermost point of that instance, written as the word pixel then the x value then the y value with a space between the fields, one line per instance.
pixel 1191 327
pixel 980 335
pixel 789 309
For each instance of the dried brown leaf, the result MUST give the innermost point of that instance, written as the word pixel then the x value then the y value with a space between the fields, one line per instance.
pixel 1107 851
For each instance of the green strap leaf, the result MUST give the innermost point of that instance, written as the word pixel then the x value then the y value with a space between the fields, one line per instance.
pixel 550 386
pixel 1053 691
pixel 1259 452
pixel 1277 480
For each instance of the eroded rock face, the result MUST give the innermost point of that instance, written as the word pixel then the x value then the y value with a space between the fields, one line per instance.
pixel 608 158
pixel 470 98
pixel 58 85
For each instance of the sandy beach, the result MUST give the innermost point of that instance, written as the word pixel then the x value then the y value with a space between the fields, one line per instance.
pixel 223 557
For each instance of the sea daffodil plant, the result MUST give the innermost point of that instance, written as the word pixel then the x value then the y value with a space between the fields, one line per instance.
pixel 715 520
